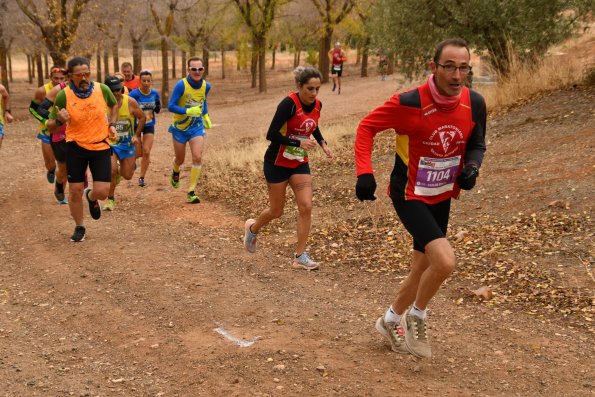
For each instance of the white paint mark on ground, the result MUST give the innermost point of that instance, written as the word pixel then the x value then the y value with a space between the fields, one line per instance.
pixel 240 342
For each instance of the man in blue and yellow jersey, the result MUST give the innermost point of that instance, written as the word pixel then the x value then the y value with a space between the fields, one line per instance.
pixel 5 115
pixel 188 103
pixel 57 76
pixel 123 151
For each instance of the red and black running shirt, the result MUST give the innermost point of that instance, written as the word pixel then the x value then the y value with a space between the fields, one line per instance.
pixel 292 122
pixel 432 144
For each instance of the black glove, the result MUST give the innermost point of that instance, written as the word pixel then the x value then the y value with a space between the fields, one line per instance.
pixel 365 187
pixel 468 177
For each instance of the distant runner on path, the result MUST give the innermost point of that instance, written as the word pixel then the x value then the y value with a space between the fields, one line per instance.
pixel 150 103
pixel 440 144
pixel 337 57
pixel 131 81
pixel 57 76
pixel 83 105
pixel 127 135
pixel 188 103
pixel 5 115
pixel 57 137
pixel 293 131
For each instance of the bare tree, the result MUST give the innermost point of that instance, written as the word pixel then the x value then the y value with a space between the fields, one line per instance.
pixel 3 46
pixel 138 35
pixel 58 21
pixel 331 13
pixel 165 28
pixel 259 16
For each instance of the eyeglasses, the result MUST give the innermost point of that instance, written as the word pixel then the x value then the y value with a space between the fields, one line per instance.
pixel 80 75
pixel 450 68
pixel 193 69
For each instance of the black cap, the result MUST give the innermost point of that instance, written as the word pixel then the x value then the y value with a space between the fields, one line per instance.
pixel 114 83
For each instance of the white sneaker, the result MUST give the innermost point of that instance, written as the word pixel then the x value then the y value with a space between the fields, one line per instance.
pixel 416 336
pixel 305 262
pixel 249 237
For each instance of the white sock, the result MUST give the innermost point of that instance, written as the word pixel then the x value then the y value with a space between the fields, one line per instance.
pixel 391 317
pixel 418 312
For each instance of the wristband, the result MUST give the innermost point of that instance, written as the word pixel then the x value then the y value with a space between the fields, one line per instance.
pixel 59 123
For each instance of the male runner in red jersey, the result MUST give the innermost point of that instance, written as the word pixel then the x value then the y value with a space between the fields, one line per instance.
pixel 440 144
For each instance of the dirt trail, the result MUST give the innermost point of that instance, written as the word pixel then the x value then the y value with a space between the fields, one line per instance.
pixel 133 310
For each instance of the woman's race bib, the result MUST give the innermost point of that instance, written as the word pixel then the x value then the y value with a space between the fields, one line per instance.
pixel 295 152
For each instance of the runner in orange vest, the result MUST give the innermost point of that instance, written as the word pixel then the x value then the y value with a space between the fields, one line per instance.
pixel 83 106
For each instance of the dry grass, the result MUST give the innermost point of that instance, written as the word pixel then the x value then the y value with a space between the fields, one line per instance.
pixel 564 66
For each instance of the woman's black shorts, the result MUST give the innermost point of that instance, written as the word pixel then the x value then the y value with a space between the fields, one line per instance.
pixel 276 174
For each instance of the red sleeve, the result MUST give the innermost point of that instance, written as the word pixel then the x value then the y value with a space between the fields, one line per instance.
pixel 380 119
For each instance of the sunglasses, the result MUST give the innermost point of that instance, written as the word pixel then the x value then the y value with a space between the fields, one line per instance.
pixel 194 69
pixel 57 70
pixel 82 74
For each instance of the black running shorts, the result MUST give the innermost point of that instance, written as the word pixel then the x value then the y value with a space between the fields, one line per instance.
pixel 425 222
pixel 59 149
pixel 148 129
pixel 78 159
pixel 276 174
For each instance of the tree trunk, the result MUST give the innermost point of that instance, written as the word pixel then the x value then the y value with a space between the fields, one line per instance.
pixel 99 77
pixel 4 65
pixel 165 74
pixel 116 55
pixel 106 61
pixel 222 63
pixel 39 62
pixel 274 56
pixel 192 46
pixel 390 68
pixel 358 54
pixel 365 55
pixel 137 56
pixel 173 63
pixel 29 69
pixel 299 55
pixel 253 63
pixel 325 47
pixel 46 64
pixel 205 58
pixel 183 65
pixel 9 58
pixel 262 73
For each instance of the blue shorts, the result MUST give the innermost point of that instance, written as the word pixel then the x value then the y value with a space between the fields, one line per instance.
pixel 1 131
pixel 123 150
pixel 185 136
pixel 45 138
pixel 277 174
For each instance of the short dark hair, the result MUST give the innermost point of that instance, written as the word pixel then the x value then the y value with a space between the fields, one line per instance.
pixel 191 59
pixel 127 64
pixel 77 61
pixel 303 74
pixel 145 72
pixel 455 42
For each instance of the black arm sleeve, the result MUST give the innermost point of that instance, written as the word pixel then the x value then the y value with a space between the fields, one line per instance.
pixel 157 106
pixel 476 146
pixel 34 110
pixel 285 111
